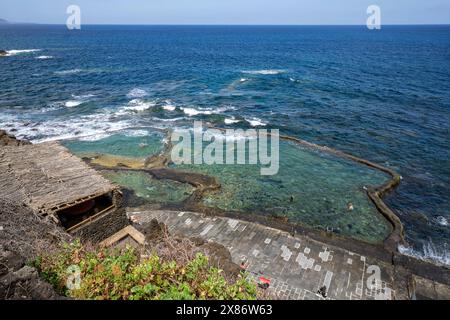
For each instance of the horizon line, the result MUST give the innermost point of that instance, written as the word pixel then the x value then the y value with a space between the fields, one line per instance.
pixel 223 25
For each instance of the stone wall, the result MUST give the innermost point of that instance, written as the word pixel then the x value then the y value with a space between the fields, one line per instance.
pixel 102 227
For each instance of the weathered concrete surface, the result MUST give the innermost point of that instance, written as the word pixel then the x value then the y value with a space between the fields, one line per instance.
pixel 298 266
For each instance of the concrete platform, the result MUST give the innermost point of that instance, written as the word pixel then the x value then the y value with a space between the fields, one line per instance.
pixel 297 266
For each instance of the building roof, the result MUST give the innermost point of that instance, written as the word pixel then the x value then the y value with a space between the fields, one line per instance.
pixel 47 177
pixel 127 236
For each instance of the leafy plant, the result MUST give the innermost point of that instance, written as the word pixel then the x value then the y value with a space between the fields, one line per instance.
pixel 114 274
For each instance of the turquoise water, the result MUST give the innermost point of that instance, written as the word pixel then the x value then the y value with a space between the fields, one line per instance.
pixel 132 143
pixel 311 188
pixel 153 191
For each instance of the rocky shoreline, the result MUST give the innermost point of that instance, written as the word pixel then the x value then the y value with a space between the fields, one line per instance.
pixel 22 237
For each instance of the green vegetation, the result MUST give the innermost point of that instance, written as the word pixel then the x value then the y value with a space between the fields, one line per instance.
pixel 113 274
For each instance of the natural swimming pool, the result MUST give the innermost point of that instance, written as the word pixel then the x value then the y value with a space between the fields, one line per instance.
pixel 312 188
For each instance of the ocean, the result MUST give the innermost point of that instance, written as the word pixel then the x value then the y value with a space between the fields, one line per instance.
pixel 381 95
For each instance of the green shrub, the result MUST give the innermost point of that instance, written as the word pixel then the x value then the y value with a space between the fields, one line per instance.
pixel 114 274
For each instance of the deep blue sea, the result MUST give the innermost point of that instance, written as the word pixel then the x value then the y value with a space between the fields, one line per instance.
pixel 382 95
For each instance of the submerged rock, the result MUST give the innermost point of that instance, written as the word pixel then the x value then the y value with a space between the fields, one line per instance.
pixel 419 217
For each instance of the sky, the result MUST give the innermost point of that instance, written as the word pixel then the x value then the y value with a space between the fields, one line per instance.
pixel 297 12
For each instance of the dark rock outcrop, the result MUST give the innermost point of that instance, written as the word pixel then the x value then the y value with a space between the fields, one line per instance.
pixel 9 140
pixel 219 256
pixel 19 281
pixel 23 236
pixel 3 53
pixel 154 230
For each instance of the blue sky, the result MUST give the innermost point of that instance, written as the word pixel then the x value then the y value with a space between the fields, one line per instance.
pixel 227 11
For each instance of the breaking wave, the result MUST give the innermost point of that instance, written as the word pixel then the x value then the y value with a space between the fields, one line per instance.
pixel 169 106
pixel 231 120
pixel 265 72
pixel 44 57
pixel 73 103
pixel 92 127
pixel 442 221
pixel 137 93
pixel 16 52
pixel 83 96
pixel 429 253
pixel 66 72
pixel 256 122
pixel 205 111
pixel 168 120
pixel 135 105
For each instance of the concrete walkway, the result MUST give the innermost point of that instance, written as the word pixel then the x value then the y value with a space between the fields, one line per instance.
pixel 297 266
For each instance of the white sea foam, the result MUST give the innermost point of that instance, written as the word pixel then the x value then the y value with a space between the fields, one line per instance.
pixel 67 72
pixel 255 122
pixel 224 108
pixel 193 112
pixel 139 105
pixel 206 111
pixel 44 57
pixel 73 103
pixel 137 93
pixel 265 72
pixel 136 133
pixel 135 105
pixel 52 107
pixel 95 137
pixel 231 120
pixel 168 120
pixel 92 127
pixel 83 96
pixel 16 52
pixel 441 221
pixel 429 253
pixel 169 106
